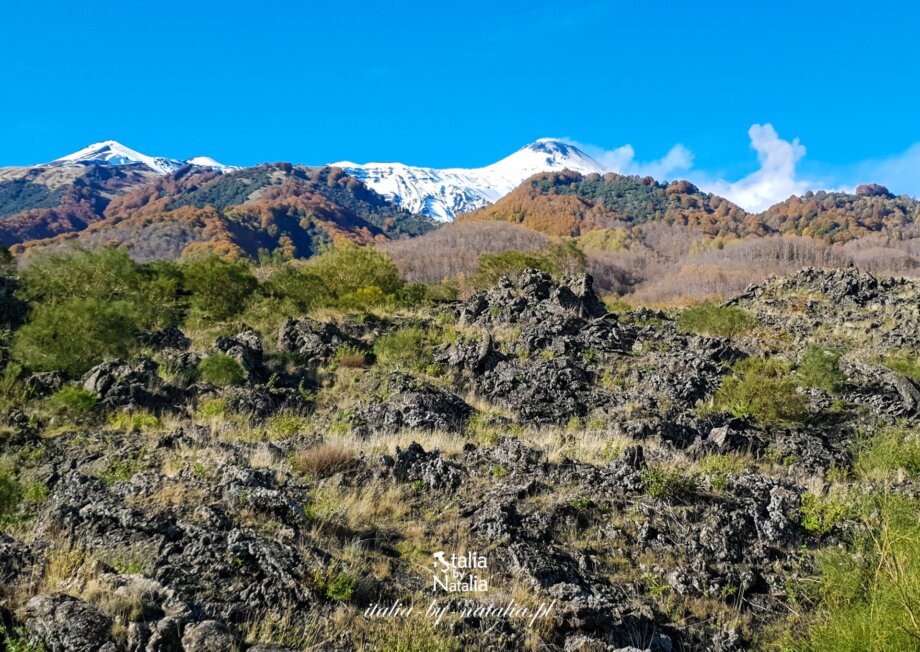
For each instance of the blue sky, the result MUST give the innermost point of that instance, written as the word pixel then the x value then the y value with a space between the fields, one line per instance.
pixel 463 84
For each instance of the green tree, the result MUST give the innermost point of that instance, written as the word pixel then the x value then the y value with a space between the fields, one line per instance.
pixel 75 334
pixel 347 269
pixel 217 288
pixel 105 274
pixel 305 289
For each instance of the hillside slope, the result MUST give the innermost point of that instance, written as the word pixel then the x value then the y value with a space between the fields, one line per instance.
pixel 269 207
pixel 568 203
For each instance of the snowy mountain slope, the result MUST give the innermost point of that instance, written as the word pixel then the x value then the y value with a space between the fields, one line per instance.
pixel 110 152
pixel 443 193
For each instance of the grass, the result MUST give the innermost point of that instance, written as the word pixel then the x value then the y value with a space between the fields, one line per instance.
pixel 10 494
pixel 349 356
pixel 720 468
pixel 121 470
pixel 708 318
pixel 72 402
pixel 888 454
pixel 134 421
pixel 407 349
pixel 867 595
pixel 904 364
pixel 322 460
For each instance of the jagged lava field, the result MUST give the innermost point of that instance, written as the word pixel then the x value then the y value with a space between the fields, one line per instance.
pixel 666 479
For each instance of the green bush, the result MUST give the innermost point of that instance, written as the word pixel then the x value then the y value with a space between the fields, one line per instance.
pixel 492 267
pixel 72 402
pixel 668 484
pixel 211 408
pixel 763 389
pixel 820 367
pixel 10 494
pixel 303 288
pixel 12 390
pixel 74 335
pixel 904 364
pixel 868 593
pixel 221 370
pixel 134 421
pixel 407 348
pixel 718 321
pixel 821 514
pixel 218 289
pixel 106 276
pixel 350 270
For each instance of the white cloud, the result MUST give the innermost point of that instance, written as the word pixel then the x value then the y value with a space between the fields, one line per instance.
pixel 623 160
pixel 779 175
pixel 776 178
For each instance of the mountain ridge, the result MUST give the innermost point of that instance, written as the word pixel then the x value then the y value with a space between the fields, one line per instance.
pixel 444 193
pixel 111 152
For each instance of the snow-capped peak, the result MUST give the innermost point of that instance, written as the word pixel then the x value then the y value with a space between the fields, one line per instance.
pixel 110 152
pixel 443 193
pixel 208 162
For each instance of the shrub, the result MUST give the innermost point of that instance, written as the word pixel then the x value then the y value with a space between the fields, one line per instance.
pixel 284 426
pixel 668 484
pixel 72 402
pixel 221 370
pixel 407 348
pixel 304 289
pixel 12 390
pixel 348 269
pixel 322 460
pixel 821 514
pixel 217 288
pixel 75 335
pixel 107 275
pixel 363 298
pixel 211 408
pixel 764 389
pixel 10 494
pixel 719 321
pixel 867 594
pixel 820 367
pixel 492 267
pixel 904 364
pixel 135 421
pixel 349 356
pixel 336 584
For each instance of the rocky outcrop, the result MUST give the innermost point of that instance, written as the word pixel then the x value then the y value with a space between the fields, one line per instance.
pixel 313 341
pixel 402 402
pixel 61 623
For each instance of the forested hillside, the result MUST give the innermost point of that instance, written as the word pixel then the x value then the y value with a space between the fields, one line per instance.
pixel 289 209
